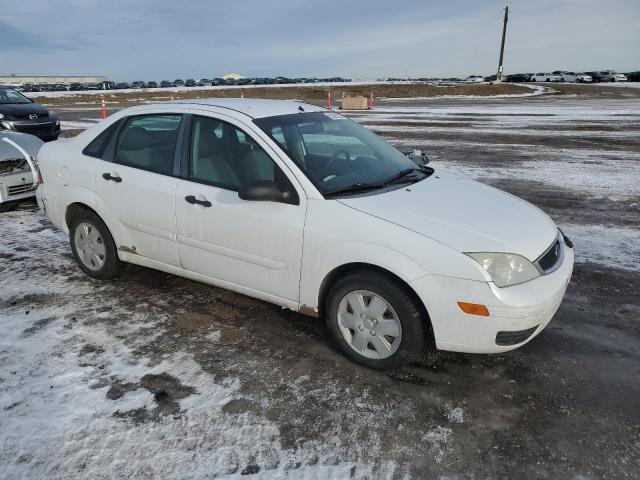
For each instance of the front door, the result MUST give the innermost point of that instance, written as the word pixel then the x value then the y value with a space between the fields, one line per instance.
pixel 254 247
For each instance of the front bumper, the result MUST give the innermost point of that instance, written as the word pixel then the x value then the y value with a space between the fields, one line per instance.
pixel 44 128
pixel 516 314
pixel 16 186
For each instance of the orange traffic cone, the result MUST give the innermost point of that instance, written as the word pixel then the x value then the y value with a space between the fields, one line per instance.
pixel 104 108
pixel 329 100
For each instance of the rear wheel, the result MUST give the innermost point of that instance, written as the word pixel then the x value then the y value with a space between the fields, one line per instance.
pixel 93 247
pixel 374 320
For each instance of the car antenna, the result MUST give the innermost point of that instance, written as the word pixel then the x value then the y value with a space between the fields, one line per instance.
pixel 300 108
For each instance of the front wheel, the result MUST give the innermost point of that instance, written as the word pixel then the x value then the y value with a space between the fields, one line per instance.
pixel 374 320
pixel 93 247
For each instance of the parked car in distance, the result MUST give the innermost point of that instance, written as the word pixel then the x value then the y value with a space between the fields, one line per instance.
pixel 21 114
pixel 596 77
pixel 327 220
pixel 151 84
pixel 545 77
pixel 190 82
pixel 573 77
pixel 582 77
pixel 122 85
pixel 166 84
pixel 633 76
pixel 178 82
pixel 138 84
pixel 474 79
pixel 518 77
pixel 18 174
pixel 611 76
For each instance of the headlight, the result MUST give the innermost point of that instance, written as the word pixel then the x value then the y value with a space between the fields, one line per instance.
pixel 52 114
pixel 1 115
pixel 506 269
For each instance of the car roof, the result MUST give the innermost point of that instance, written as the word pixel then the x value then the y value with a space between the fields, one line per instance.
pixel 254 107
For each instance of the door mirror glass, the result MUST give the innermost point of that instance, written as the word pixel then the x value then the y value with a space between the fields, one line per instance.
pixel 263 191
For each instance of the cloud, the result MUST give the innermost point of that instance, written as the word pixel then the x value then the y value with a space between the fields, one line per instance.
pixel 127 39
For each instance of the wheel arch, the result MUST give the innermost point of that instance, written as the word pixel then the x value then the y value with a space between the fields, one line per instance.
pixel 330 279
pixel 73 209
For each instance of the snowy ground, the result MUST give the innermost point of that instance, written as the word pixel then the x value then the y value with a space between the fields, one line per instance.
pixel 154 376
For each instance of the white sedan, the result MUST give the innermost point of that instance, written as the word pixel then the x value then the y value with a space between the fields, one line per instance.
pixel 545 77
pixel 304 208
pixel 573 77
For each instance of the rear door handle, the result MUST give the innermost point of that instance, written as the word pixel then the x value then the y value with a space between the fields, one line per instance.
pixel 112 177
pixel 193 201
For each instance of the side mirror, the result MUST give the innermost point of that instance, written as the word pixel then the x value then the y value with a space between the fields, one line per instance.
pixel 417 157
pixel 263 191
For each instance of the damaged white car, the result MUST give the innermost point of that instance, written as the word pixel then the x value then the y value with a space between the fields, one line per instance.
pixel 18 168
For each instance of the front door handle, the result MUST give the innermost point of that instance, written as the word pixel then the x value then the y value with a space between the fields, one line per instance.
pixel 193 200
pixel 111 177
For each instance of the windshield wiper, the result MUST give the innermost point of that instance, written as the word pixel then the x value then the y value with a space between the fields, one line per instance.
pixel 399 175
pixel 356 187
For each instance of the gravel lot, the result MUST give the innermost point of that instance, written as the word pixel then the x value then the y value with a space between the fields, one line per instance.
pixel 154 376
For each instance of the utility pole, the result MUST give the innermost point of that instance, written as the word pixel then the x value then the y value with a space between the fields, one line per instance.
pixel 504 34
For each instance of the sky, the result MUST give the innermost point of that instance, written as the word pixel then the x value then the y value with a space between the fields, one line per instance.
pixel 168 39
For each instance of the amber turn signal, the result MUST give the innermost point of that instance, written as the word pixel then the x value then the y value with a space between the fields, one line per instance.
pixel 474 309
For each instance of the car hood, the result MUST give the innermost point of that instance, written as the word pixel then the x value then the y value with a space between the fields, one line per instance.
pixel 28 143
pixel 21 109
pixel 463 214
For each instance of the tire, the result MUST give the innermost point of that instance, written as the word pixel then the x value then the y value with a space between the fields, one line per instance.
pixel 533 80
pixel 400 346
pixel 562 80
pixel 105 247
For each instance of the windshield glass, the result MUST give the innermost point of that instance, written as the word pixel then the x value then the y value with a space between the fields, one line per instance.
pixel 337 153
pixel 11 96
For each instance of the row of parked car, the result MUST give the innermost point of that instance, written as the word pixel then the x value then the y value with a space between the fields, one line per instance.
pixel 190 82
pixel 556 76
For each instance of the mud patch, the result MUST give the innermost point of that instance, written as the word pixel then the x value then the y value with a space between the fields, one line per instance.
pixel 167 391
pixel 191 322
pixel 37 326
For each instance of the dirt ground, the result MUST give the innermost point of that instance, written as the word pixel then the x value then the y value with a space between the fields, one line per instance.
pixel 155 376
pixel 312 94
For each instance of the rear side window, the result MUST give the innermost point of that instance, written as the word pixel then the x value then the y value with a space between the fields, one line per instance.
pixel 148 142
pixel 99 144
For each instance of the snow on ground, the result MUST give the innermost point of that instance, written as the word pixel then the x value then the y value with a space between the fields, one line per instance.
pixel 535 90
pixel 613 247
pixel 60 416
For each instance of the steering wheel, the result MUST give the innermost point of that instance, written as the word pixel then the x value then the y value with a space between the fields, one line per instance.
pixel 335 156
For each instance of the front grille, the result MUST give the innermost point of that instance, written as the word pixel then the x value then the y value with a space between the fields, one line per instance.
pixel 20 189
pixel 26 116
pixel 552 258
pixel 506 339
pixel 13 166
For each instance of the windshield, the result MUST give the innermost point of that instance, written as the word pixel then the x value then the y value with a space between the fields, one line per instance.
pixel 337 153
pixel 11 96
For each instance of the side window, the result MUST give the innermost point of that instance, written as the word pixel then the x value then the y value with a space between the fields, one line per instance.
pixel 97 146
pixel 225 156
pixel 148 142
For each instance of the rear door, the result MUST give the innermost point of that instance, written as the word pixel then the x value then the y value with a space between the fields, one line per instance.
pixel 251 246
pixel 138 186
